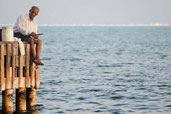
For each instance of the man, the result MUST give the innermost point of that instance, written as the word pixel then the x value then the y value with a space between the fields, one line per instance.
pixel 26 29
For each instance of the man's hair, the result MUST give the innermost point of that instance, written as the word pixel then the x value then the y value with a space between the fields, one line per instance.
pixel 34 7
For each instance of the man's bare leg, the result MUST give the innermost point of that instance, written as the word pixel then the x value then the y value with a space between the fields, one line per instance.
pixel 31 41
pixel 38 49
pixel 36 55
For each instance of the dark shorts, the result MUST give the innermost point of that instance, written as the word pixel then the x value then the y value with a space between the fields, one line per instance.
pixel 24 38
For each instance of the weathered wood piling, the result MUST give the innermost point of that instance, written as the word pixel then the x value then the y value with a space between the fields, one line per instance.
pixel 17 73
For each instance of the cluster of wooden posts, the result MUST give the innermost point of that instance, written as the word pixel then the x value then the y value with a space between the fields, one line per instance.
pixel 17 73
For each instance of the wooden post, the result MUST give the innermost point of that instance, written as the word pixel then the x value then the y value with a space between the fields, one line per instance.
pixel 21 100
pixel 0 34
pixel 18 72
pixel 7 100
pixel 31 98
pixel 2 71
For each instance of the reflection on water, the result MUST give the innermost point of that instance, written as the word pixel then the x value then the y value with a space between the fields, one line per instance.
pixel 35 111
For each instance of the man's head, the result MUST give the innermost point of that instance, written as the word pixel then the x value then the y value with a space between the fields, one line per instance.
pixel 33 12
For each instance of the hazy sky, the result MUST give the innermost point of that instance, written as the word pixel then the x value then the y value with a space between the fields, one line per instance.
pixel 89 11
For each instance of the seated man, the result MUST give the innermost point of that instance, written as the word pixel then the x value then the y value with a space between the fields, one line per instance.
pixel 26 29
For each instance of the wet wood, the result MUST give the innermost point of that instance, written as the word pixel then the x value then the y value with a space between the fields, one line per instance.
pixel 31 98
pixel 21 100
pixel 7 100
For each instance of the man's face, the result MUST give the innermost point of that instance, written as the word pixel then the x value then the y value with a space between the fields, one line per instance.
pixel 33 13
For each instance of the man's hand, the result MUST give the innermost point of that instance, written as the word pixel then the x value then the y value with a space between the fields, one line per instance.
pixel 34 35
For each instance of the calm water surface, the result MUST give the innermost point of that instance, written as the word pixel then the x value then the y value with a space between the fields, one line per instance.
pixel 105 70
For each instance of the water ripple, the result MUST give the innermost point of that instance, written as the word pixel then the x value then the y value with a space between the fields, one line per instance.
pixel 106 70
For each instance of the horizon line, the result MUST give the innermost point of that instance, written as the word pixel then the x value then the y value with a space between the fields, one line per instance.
pixel 157 24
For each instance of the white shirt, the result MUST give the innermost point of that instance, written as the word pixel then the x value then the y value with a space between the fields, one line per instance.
pixel 25 26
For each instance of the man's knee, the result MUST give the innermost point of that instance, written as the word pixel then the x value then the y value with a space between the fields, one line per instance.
pixel 31 41
pixel 39 41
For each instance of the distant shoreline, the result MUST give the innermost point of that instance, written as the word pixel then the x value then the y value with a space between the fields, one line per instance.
pixel 100 25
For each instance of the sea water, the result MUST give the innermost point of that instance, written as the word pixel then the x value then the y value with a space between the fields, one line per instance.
pixel 105 70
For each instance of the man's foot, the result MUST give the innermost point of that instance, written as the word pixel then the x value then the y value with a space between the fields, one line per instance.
pixel 37 62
